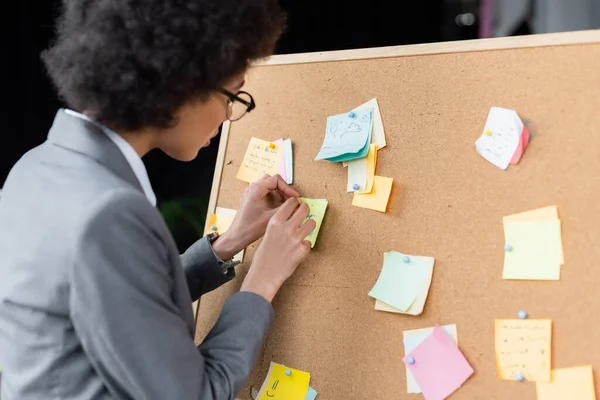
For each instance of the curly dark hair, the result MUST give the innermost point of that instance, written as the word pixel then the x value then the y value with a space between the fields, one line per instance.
pixel 133 63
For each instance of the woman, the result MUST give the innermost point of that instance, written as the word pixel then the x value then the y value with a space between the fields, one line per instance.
pixel 95 300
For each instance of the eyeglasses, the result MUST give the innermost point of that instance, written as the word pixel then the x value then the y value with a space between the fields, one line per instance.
pixel 238 105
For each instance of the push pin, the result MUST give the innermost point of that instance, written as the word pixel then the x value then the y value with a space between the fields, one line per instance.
pixel 410 360
pixel 213 228
pixel 406 259
pixel 519 376
pixel 356 186
pixel 508 248
pixel 488 132
pixel 351 114
pixel 288 372
pixel 522 314
pixel 271 146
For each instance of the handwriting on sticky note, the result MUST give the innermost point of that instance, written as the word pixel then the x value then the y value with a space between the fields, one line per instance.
pixel 281 386
pixel 262 157
pixel 501 136
pixel 346 134
pixel 523 346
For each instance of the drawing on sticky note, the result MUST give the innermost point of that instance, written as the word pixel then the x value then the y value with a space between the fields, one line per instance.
pixel 345 134
pixel 523 346
pixel 261 159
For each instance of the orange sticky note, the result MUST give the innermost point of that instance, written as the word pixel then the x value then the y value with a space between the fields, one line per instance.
pixel 261 159
pixel 378 198
pixel 568 383
pixel 523 346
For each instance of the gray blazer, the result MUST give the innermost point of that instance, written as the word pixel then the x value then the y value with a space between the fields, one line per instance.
pixel 95 301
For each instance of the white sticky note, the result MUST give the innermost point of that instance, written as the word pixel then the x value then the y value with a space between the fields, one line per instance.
pixel 500 137
pixel 412 339
pixel 357 174
pixel 288 152
pixel 378 135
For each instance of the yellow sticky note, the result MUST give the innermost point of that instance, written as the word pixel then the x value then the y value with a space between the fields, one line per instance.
pixel 371 165
pixel 539 214
pixel 317 212
pixel 568 383
pixel 523 346
pixel 536 250
pixel 417 306
pixel 220 222
pixel 261 159
pixel 279 386
pixel 378 198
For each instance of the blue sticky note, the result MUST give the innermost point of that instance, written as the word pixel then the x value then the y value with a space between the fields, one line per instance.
pixel 347 135
pixel 311 394
pixel 353 156
pixel 399 283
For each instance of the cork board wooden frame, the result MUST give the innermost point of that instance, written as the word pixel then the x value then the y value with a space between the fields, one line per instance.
pixel 447 202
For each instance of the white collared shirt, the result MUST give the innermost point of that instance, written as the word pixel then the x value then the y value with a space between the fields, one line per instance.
pixel 134 160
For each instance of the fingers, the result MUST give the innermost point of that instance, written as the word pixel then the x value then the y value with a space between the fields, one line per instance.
pixel 307 228
pixel 267 183
pixel 300 215
pixel 286 210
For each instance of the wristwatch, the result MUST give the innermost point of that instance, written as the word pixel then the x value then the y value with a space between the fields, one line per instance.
pixel 225 265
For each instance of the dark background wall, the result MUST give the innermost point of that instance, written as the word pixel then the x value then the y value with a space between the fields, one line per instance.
pixel 29 103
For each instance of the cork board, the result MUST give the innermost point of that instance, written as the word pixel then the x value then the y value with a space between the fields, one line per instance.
pixel 446 202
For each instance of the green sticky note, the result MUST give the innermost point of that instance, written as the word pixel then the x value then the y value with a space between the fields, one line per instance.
pixel 400 282
pixel 317 212
pixel 536 250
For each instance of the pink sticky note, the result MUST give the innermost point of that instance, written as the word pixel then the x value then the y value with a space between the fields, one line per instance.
pixel 523 142
pixel 281 166
pixel 440 367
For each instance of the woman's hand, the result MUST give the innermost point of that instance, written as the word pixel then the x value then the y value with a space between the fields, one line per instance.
pixel 281 251
pixel 259 203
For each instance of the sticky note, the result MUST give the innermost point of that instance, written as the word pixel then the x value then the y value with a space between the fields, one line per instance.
pixel 440 368
pixel 378 198
pixel 506 128
pixel 523 142
pixel 399 283
pixel 279 145
pixel 317 213
pixel 371 165
pixel 357 174
pixel 347 136
pixel 222 219
pixel 417 306
pixel 378 135
pixel 414 337
pixel 259 160
pixel 311 394
pixel 536 250
pixel 568 383
pixel 288 151
pixel 279 386
pixel 523 345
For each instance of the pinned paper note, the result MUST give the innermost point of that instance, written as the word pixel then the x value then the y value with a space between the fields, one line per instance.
pixel 222 219
pixel 347 137
pixel 289 161
pixel 535 250
pixel 281 386
pixel 378 198
pixel 311 394
pixel 523 346
pixel 262 157
pixel 412 339
pixel 439 366
pixel 417 306
pixel 317 213
pixel 378 135
pixel 502 135
pixel 362 170
pixel 568 383
pixel 399 282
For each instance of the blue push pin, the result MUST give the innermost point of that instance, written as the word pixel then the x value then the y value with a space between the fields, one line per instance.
pixel 356 186
pixel 519 376
pixel 288 372
pixel 351 114
pixel 508 248
pixel 406 259
pixel 213 228
pixel 410 360
pixel 522 314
